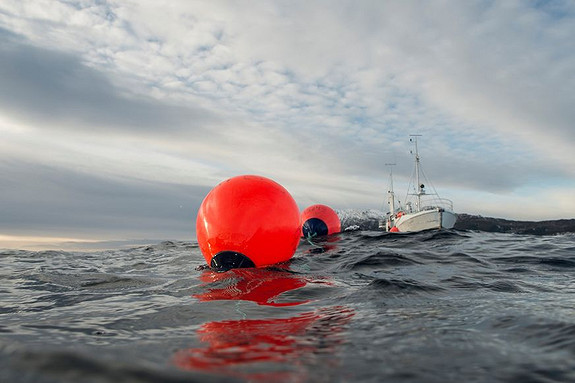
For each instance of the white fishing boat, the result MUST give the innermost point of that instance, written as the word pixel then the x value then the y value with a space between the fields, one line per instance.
pixel 423 210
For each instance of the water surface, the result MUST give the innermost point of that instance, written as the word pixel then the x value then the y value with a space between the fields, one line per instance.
pixel 367 306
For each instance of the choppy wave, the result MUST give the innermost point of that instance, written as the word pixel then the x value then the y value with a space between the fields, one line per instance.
pixel 367 306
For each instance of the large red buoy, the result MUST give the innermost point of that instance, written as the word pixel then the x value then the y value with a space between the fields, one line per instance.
pixel 319 220
pixel 247 221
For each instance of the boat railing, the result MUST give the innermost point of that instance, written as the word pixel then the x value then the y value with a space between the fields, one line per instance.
pixel 431 203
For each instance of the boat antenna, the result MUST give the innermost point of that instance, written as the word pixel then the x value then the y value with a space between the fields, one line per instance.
pixel 391 173
pixel 390 193
pixel 420 189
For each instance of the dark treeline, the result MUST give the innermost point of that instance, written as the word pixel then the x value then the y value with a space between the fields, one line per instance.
pixel 499 225
pixel 367 221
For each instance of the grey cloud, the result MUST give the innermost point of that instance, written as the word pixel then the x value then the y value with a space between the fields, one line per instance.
pixel 494 172
pixel 42 200
pixel 55 88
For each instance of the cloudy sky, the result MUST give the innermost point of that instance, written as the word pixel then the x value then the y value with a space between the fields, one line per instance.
pixel 117 117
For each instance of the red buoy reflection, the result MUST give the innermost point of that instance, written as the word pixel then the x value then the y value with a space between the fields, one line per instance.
pixel 270 349
pixel 287 347
pixel 262 286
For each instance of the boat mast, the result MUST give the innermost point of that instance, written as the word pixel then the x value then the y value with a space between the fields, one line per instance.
pixel 420 190
pixel 390 193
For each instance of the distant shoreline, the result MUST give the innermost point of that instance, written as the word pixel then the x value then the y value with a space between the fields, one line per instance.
pixel 500 225
pixel 369 220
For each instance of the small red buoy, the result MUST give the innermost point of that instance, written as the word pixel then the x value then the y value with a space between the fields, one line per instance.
pixel 319 220
pixel 394 230
pixel 247 221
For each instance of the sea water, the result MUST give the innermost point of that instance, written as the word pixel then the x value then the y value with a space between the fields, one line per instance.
pixel 360 306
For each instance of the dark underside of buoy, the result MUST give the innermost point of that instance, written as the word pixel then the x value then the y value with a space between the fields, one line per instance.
pixel 225 260
pixel 314 227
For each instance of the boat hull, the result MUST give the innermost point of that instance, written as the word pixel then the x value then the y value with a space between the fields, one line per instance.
pixel 426 220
